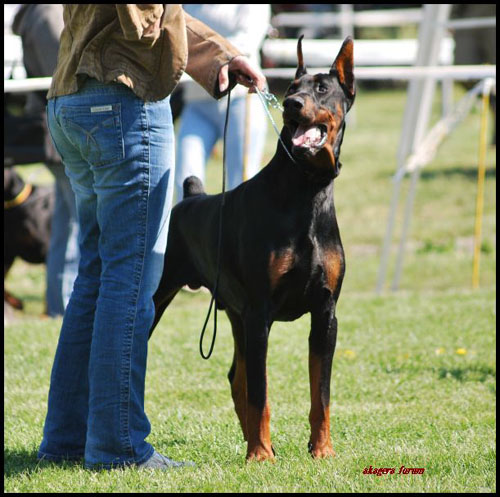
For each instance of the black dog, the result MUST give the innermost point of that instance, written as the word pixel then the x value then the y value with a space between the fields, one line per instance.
pixel 27 215
pixel 281 250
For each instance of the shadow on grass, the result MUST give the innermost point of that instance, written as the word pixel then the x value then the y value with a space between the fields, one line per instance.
pixel 467 373
pixel 469 172
pixel 471 372
pixel 25 461
pixel 429 174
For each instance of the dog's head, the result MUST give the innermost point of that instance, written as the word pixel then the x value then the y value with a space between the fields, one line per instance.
pixel 315 108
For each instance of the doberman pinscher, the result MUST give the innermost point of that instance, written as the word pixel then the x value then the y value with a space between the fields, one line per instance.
pixel 27 216
pixel 281 250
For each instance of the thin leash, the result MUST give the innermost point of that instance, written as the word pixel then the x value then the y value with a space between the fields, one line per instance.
pixel 219 243
pixel 266 98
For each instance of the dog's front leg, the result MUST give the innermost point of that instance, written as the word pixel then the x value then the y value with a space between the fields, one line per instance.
pixel 322 340
pixel 258 411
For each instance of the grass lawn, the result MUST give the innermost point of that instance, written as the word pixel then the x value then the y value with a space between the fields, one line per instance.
pixel 414 374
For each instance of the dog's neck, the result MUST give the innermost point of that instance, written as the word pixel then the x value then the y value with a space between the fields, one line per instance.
pixel 307 168
pixel 13 186
pixel 298 181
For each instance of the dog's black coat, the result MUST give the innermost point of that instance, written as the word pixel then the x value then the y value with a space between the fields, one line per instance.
pixel 281 250
pixel 26 226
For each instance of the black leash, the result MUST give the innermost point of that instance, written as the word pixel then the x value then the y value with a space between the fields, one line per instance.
pixel 219 244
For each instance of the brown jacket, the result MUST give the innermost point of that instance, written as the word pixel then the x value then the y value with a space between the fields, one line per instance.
pixel 107 42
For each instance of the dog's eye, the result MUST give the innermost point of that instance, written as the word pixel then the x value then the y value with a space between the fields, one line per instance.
pixel 321 89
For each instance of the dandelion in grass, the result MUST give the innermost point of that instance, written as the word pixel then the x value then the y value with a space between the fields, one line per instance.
pixel 350 354
pixel 461 351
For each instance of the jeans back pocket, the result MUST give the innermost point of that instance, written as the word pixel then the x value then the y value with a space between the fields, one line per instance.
pixel 96 131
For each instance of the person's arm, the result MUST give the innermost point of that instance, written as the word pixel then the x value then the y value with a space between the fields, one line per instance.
pixel 212 57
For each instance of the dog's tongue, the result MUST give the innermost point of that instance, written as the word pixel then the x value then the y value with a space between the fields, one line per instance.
pixel 306 135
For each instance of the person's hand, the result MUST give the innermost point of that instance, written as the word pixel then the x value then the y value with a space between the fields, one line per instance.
pixel 246 74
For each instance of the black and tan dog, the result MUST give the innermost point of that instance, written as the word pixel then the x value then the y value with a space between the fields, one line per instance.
pixel 27 217
pixel 281 251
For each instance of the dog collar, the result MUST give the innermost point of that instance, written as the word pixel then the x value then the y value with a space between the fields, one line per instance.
pixel 338 142
pixel 19 199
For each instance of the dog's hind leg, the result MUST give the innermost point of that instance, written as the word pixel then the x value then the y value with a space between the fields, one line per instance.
pixel 237 374
pixel 175 275
pixel 161 302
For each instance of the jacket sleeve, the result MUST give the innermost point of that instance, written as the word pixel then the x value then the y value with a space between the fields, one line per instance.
pixel 207 53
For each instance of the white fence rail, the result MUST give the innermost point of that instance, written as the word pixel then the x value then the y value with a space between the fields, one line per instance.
pixel 371 19
pixel 458 73
pixel 367 52
pixel 368 18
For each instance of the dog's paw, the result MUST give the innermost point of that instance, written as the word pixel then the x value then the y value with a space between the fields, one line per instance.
pixel 261 453
pixel 321 451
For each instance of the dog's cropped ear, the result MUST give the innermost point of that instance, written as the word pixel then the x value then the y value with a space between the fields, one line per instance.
pixel 301 68
pixel 343 67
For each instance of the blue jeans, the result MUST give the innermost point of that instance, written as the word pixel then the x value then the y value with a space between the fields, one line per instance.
pixel 118 152
pixel 63 255
pixel 202 125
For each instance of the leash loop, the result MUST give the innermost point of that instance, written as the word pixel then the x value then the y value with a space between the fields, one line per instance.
pixel 219 244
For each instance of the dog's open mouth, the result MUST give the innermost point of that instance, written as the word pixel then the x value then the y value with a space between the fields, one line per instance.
pixel 310 137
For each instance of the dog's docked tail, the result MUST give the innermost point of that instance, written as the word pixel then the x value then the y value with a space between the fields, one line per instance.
pixel 192 186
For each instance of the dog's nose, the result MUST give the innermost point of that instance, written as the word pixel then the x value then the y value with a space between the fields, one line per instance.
pixel 293 103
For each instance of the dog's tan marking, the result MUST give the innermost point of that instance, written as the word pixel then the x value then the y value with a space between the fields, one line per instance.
pixel 280 264
pixel 333 263
pixel 325 159
pixel 344 64
pixel 259 435
pixel 309 111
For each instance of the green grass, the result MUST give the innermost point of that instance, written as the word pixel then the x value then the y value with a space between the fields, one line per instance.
pixel 414 374
pixel 402 395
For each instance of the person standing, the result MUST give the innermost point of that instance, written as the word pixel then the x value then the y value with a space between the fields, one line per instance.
pixel 202 118
pixel 110 119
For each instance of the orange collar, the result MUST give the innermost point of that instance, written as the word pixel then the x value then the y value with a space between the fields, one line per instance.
pixel 20 198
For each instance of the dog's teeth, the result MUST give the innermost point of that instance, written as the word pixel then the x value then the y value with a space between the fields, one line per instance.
pixel 306 136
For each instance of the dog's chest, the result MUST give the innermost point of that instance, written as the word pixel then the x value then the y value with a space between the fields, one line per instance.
pixel 296 271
